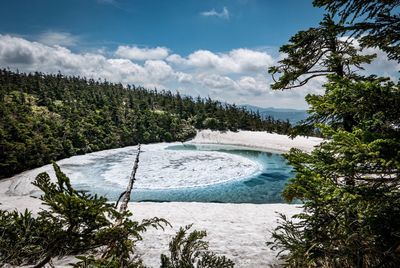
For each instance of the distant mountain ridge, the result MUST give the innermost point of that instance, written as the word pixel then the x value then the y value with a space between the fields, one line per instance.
pixel 294 116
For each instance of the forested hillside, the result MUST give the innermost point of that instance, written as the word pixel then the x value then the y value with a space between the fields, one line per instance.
pixel 49 117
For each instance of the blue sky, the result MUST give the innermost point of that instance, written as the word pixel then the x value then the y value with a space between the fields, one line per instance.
pixel 216 48
pixel 176 24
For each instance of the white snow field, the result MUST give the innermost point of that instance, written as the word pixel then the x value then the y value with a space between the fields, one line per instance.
pixel 238 231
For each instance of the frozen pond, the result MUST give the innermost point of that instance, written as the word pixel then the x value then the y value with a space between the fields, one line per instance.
pixel 176 172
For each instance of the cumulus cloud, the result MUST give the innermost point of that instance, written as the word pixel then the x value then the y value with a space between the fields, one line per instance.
pixel 236 61
pixel 158 70
pixel 236 76
pixel 29 56
pixel 216 82
pixel 253 85
pixel 58 38
pixel 184 77
pixel 381 65
pixel 136 53
pixel 224 14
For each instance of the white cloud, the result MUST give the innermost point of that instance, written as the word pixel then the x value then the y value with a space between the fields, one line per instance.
pixel 236 61
pixel 250 61
pixel 253 85
pixel 58 38
pixel 136 53
pixel 381 65
pixel 29 56
pixel 224 14
pixel 158 70
pixel 184 77
pixel 204 59
pixel 237 76
pixel 216 82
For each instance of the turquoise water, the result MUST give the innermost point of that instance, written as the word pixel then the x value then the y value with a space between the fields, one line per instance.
pixel 264 186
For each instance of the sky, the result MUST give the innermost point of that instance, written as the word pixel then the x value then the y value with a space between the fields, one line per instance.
pixel 216 48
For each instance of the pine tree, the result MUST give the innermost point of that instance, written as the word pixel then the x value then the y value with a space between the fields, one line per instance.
pixel 73 223
pixel 376 23
pixel 349 185
pixel 190 251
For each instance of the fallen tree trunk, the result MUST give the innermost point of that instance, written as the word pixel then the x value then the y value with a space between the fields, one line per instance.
pixel 127 194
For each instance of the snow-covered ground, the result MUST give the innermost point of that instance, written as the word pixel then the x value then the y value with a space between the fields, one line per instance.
pixel 238 231
pixel 256 139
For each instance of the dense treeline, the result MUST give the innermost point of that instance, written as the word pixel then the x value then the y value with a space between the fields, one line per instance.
pixel 49 117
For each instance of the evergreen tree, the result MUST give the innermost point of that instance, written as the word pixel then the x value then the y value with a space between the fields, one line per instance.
pixel 349 185
pixel 317 52
pixel 190 251
pixel 73 223
pixel 376 23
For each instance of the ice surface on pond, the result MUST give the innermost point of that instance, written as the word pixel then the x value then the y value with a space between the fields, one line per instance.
pixel 173 172
pixel 161 169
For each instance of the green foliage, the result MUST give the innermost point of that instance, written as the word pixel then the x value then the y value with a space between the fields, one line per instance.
pixel 349 185
pixel 49 117
pixel 21 237
pixel 190 251
pixel 317 52
pixel 351 194
pixel 110 262
pixel 73 223
pixel 371 104
pixel 376 23
pixel 212 123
